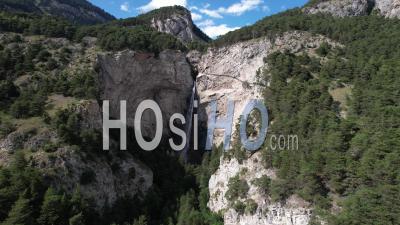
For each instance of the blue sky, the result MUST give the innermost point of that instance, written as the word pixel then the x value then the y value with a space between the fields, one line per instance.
pixel 214 17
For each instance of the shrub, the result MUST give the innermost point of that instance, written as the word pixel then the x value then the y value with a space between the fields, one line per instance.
pixel 6 127
pixel 263 183
pixel 237 188
pixel 251 207
pixel 239 207
pixel 28 105
pixel 323 49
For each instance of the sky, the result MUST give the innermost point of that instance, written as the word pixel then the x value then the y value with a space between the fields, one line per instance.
pixel 214 17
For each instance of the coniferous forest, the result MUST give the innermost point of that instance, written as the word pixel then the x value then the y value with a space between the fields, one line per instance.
pixel 354 158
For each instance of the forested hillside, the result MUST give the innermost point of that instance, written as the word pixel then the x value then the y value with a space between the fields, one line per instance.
pixel 342 102
pixel 350 159
pixel 77 11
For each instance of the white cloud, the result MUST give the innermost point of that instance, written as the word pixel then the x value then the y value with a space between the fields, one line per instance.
pixel 196 16
pixel 211 13
pixel 205 23
pixel 155 4
pixel 125 7
pixel 243 6
pixel 265 8
pixel 236 9
pixel 215 31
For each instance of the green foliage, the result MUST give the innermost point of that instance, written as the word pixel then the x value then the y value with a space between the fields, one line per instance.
pixel 163 13
pixel 52 208
pixel 263 183
pixel 237 188
pixel 21 212
pixel 251 207
pixel 28 105
pixel 372 206
pixel 26 198
pixel 352 157
pixel 111 36
pixel 138 38
pixel 239 207
pixel 323 49
pixel 6 127
pixel 68 124
pixel 35 25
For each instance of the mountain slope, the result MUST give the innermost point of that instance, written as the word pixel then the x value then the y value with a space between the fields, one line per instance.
pixel 174 20
pixel 78 11
pixel 341 8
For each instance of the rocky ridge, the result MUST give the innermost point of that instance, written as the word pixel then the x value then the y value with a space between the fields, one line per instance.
pixel 79 11
pixel 179 25
pixel 343 8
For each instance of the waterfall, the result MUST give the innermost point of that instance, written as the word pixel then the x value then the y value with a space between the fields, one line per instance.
pixel 189 123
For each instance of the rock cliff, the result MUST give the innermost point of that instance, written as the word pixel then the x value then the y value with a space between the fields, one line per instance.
pixel 388 8
pixel 134 77
pixel 342 8
pixel 294 211
pixel 231 72
pixel 178 22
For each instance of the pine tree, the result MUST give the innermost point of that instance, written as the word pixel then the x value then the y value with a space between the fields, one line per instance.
pixel 21 212
pixel 53 209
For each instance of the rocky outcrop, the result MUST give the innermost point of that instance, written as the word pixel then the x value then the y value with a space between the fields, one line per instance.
pixel 231 72
pixel 388 8
pixel 80 11
pixel 134 77
pixel 341 8
pixel 103 181
pixel 294 211
pixel 179 25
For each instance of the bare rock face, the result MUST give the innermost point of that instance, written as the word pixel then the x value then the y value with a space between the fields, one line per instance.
pixel 181 26
pixel 231 72
pixel 103 181
pixel 388 8
pixel 340 8
pixel 295 211
pixel 343 8
pixel 134 77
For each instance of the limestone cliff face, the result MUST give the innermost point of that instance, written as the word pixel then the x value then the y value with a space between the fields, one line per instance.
pixel 294 211
pixel 388 8
pixel 181 26
pixel 134 77
pixel 343 8
pixel 122 176
pixel 231 72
